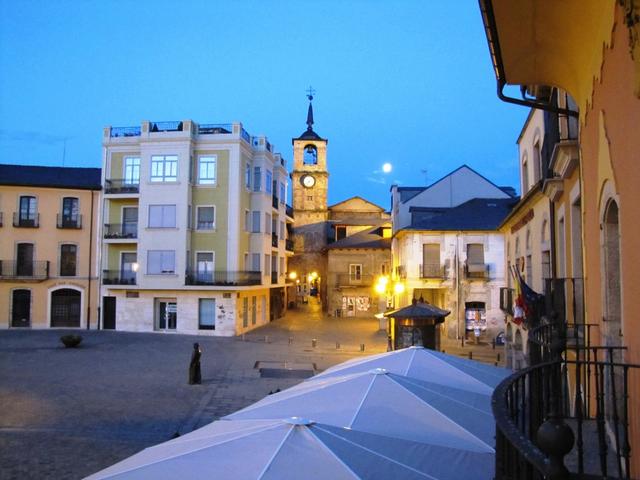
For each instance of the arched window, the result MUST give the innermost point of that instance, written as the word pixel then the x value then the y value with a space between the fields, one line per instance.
pixel 525 174
pixel 611 277
pixel 544 232
pixel 528 240
pixel 310 156
pixel 537 170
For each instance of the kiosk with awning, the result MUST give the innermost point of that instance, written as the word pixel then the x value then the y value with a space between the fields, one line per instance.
pixel 416 325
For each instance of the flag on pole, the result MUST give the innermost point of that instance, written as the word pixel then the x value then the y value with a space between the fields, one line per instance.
pixel 526 301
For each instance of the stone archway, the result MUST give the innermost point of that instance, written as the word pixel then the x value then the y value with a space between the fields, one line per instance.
pixel 66 310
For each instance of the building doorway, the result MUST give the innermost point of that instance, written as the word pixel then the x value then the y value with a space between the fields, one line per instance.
pixel 66 308
pixel 21 308
pixel 109 313
pixel 166 314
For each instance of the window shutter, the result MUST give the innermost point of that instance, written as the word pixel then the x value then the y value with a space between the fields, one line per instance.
pixel 431 254
pixel 475 254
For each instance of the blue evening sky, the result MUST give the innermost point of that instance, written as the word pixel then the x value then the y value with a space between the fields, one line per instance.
pixel 404 82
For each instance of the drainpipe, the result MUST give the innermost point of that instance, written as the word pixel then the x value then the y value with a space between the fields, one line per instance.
pixel 90 263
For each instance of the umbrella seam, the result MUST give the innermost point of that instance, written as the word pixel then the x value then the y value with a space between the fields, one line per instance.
pixel 138 467
pixel 275 454
pixel 362 447
pixel 364 397
pixel 333 453
pixel 461 371
pixel 445 417
pixel 413 354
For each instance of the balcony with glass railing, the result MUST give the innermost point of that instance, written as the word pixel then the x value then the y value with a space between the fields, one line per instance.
pixel 69 221
pixel 24 270
pixel 26 221
pixel 118 277
pixel 121 186
pixel 222 278
pixel 120 231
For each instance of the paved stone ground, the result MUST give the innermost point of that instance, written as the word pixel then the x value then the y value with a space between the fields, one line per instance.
pixel 66 413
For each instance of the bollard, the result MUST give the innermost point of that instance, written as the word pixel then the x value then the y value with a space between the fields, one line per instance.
pixel 462 341
pixel 443 351
pixel 290 340
pixel 337 345
pixel 493 343
pixel 470 355
pixel 314 342
pixel 362 347
pixel 266 339
pixel 498 357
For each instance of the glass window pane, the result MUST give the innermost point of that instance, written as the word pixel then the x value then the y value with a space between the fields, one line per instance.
pixel 206 218
pixel 207 313
pixel 207 170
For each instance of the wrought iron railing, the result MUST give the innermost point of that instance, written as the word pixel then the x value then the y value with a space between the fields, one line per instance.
pixel 120 230
pixel 212 128
pixel 118 277
pixel 565 297
pixel 274 202
pixel 567 415
pixel 476 271
pixel 31 221
pixel 121 186
pixel 274 240
pixel 433 270
pixel 68 221
pixel 288 245
pixel 13 270
pixel 222 278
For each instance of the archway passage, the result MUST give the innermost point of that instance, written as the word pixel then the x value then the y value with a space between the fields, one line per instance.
pixel 21 308
pixel 65 308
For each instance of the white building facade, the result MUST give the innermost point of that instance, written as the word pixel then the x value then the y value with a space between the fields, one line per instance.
pixel 194 238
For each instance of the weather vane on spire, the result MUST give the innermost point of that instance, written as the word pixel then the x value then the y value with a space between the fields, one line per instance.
pixel 310 92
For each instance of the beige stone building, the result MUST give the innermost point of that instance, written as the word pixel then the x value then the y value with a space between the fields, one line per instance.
pixel 48 267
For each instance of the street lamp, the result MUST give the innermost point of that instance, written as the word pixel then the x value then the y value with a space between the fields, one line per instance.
pixel 293 275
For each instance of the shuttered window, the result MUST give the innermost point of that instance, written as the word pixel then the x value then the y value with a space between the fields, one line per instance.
pixel 475 254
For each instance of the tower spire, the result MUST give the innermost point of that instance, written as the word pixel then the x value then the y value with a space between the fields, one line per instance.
pixel 310 93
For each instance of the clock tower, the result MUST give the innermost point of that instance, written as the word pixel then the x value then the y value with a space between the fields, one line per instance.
pixel 310 178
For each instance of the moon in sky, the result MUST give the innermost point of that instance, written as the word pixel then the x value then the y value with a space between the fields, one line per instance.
pixel 386 168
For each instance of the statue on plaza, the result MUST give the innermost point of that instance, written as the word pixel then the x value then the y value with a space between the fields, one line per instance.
pixel 195 377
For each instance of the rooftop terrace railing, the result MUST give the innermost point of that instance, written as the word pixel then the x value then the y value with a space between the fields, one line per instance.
pixel 174 126
pixel 125 132
pixel 215 128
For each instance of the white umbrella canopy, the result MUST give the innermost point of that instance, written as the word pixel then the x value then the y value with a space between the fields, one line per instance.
pixel 384 403
pixel 428 365
pixel 296 448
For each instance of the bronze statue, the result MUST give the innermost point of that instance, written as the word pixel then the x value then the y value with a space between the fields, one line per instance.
pixel 195 377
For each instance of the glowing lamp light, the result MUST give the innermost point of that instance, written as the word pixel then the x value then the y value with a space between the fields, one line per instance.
pixel 383 280
pixel 398 288
pixel 134 266
pixel 293 275
pixel 314 275
pixel 380 288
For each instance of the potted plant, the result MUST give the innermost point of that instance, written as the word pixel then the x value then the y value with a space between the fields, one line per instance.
pixel 71 341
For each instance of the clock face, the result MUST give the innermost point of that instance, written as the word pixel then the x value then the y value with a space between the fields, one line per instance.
pixel 308 181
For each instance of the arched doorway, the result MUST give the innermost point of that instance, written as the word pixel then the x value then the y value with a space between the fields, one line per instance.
pixel 612 307
pixel 66 308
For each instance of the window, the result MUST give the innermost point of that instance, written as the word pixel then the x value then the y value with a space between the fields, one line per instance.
pixel 207 314
pixel 162 216
pixel 257 179
pixel 267 264
pixel 525 176
pixel 281 229
pixel 546 266
pixel 161 262
pixel 281 266
pixel 70 207
pixel 537 165
pixel 254 309
pixel 247 176
pixel 247 221
pixel 269 182
pixel 310 156
pixel 255 262
pixel 28 211
pixel 283 193
pixel 529 270
pixel 164 168
pixel 255 227
pixel 475 254
pixel 204 267
pixel 430 260
pixel 68 255
pixel 267 223
pixel 355 272
pixel 131 170
pixel 207 170
pixel 24 259
pixel 245 312
pixel 206 218
pixel 310 198
pixel 341 232
pixel 527 240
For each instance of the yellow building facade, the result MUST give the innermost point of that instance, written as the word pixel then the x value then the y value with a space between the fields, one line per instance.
pixel 49 245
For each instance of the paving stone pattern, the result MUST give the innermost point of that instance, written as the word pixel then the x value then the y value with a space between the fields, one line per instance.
pixel 67 413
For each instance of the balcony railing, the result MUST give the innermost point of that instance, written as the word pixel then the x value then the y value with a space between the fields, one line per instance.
pixel 433 270
pixel 476 271
pixel 274 240
pixel 174 126
pixel 565 297
pixel 213 128
pixel 26 222
pixel 289 211
pixel 125 132
pixel 288 245
pixel 120 230
pixel 274 201
pixel 118 277
pixel 245 136
pixel 274 278
pixel 121 186
pixel 222 278
pixel 12 270
pixel 346 279
pixel 69 221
